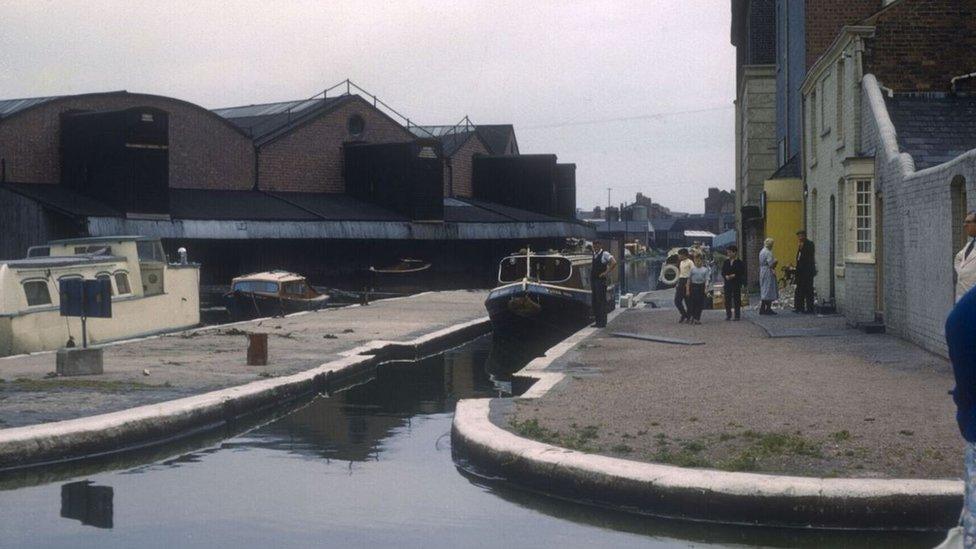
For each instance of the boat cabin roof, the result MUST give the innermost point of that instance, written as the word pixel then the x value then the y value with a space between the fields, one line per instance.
pixel 59 261
pixel 100 239
pixel 272 276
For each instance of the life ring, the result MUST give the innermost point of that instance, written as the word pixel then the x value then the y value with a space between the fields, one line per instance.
pixel 669 275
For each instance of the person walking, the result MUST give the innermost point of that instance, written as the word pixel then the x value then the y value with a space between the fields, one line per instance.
pixel 768 285
pixel 681 289
pixel 697 278
pixel 806 270
pixel 965 263
pixel 733 273
pixel 962 353
pixel 603 264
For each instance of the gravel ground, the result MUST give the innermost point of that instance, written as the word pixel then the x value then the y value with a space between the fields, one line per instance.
pixel 833 402
pixel 188 363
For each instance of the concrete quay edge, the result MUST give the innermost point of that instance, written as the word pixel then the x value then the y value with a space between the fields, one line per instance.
pixel 152 424
pixel 484 448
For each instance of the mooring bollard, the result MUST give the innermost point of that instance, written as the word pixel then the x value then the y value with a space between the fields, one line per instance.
pixel 257 349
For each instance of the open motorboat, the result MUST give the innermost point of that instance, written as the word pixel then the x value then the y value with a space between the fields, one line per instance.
pixel 548 291
pixel 271 293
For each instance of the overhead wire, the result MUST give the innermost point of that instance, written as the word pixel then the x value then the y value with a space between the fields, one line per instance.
pixel 651 116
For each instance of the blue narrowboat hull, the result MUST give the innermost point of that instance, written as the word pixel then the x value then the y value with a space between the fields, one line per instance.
pixel 531 307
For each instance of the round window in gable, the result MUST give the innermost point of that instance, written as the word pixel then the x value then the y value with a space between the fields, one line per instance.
pixel 356 125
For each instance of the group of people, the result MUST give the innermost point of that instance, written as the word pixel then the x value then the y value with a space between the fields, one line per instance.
pixel 689 295
pixel 806 270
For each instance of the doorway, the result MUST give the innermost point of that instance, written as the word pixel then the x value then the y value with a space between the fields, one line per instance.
pixel 833 241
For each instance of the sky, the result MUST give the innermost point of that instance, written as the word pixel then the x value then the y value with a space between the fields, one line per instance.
pixel 639 95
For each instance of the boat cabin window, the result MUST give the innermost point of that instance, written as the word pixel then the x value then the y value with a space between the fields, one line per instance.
pixel 37 293
pixel 93 250
pixel 544 269
pixel 256 286
pixel 106 276
pixel 297 287
pixel 122 283
pixel 150 250
pixel 39 251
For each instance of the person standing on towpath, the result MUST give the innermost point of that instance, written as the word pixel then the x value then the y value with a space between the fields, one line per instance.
pixel 965 262
pixel 960 331
pixel 603 265
pixel 681 288
pixel 697 279
pixel 733 273
pixel 768 285
pixel 806 270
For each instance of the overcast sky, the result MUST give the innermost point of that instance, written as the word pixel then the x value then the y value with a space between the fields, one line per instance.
pixel 610 86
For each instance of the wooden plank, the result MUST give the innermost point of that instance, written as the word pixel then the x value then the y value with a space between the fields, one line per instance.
pixel 657 339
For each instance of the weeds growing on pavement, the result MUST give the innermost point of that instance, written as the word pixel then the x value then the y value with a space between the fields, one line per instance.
pixel 581 438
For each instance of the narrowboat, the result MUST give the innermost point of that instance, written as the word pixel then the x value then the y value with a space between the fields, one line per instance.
pixel 271 293
pixel 149 294
pixel 544 292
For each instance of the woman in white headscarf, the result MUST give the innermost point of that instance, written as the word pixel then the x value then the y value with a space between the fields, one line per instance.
pixel 768 285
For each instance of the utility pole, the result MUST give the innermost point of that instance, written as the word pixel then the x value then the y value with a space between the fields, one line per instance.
pixel 608 197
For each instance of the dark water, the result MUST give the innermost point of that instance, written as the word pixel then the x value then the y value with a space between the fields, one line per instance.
pixel 642 274
pixel 368 467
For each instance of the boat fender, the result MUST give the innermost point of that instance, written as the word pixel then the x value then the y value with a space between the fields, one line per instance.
pixel 669 274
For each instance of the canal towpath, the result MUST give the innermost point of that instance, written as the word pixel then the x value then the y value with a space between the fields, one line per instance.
pixel 172 366
pixel 795 415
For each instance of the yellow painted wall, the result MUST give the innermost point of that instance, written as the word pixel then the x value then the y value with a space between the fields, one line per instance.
pixel 784 216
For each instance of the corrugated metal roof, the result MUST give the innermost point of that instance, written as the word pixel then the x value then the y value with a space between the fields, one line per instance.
pixel 62 199
pixel 267 121
pixel 10 107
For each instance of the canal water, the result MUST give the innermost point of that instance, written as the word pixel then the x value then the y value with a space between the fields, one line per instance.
pixel 369 466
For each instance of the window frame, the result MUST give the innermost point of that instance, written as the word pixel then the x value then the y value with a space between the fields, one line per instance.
pixel 839 99
pixel 111 280
pixel 861 219
pixel 118 287
pixel 47 289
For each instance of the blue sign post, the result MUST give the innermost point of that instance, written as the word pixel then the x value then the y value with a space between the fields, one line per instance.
pixel 86 298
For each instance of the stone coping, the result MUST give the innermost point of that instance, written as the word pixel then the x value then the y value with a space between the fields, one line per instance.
pixel 154 424
pixel 483 447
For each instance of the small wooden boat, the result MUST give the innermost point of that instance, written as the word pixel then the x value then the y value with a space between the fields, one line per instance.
pixel 543 293
pixel 405 266
pixel 271 293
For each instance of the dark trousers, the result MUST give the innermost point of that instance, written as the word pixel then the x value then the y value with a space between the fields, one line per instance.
pixel 681 297
pixel 696 301
pixel 733 299
pixel 803 298
pixel 599 302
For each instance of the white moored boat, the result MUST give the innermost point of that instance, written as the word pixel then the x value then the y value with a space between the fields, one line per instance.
pixel 149 295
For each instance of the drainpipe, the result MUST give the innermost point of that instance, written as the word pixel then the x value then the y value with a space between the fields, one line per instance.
pixel 257 156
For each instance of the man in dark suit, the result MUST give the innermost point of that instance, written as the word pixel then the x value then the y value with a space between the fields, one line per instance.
pixel 734 274
pixel 806 269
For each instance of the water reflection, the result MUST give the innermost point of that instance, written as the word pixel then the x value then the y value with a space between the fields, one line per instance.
pixel 84 501
pixel 353 424
pixel 642 274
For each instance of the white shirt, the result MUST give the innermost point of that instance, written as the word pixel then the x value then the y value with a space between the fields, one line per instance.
pixel 965 270
pixel 685 267
pixel 603 257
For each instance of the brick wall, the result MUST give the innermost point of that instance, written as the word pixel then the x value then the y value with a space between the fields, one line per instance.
pixel 917 230
pixel 462 168
pixel 205 152
pixel 309 158
pixel 824 19
pixel 920 45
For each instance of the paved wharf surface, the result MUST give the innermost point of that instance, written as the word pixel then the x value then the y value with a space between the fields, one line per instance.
pixel 207 359
pixel 787 394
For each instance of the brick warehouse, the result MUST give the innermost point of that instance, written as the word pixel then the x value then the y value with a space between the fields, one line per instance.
pixel 266 186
